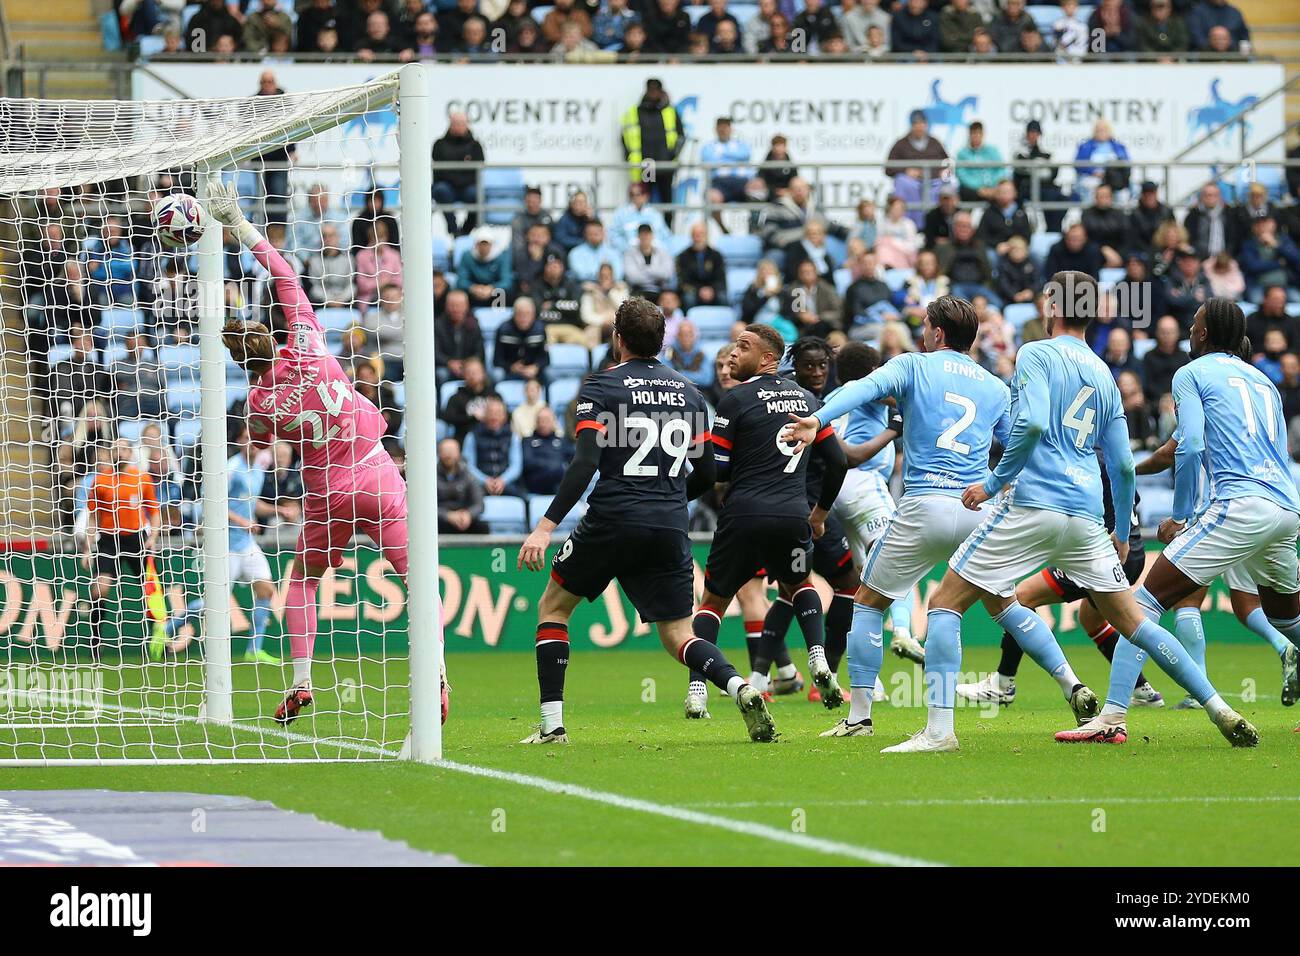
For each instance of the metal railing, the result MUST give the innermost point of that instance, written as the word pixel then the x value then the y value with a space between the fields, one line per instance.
pixel 819 177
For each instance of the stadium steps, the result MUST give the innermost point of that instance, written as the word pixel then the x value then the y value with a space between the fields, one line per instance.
pixel 1275 31
pixel 26 482
pixel 61 31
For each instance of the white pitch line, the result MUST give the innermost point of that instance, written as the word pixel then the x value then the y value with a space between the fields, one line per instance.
pixel 800 840
pixel 1000 802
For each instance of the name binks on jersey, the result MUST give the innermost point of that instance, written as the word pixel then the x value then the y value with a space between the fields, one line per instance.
pixel 968 369
pixel 645 397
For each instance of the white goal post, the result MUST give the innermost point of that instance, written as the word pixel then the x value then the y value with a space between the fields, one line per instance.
pixel 125 383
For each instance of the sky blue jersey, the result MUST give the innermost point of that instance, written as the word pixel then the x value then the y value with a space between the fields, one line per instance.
pixel 245 485
pixel 1230 420
pixel 1064 404
pixel 862 424
pixel 952 410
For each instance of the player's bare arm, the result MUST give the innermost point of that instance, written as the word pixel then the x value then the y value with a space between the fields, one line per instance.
pixel 859 455
pixel 1162 459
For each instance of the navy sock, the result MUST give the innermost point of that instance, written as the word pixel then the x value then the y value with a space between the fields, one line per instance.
pixel 808 611
pixel 838 621
pixel 704 658
pixel 1011 656
pixel 705 625
pixel 772 644
pixel 552 660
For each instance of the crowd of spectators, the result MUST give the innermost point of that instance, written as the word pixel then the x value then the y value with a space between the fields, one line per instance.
pixel 524 309
pixel 584 30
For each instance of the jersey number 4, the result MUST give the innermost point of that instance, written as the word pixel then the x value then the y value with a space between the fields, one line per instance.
pixel 675 437
pixel 1082 420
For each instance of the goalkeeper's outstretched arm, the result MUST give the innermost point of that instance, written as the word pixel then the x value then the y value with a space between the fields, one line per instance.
pixel 223 204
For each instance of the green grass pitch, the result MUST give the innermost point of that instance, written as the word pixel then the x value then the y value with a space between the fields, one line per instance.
pixel 1176 794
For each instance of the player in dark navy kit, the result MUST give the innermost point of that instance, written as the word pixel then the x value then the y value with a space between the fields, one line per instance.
pixel 1053 586
pixel 765 520
pixel 638 424
pixel 810 358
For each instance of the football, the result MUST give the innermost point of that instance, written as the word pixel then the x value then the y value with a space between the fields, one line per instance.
pixel 179 219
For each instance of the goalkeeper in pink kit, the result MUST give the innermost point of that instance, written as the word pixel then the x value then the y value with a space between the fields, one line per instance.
pixel 299 393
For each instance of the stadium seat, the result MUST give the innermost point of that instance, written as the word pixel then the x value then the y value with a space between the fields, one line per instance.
pixel 740 250
pixel 1141 347
pixel 186 432
pixel 1155 506
pixel 151 45
pixel 696 14
pixel 132 428
pixel 1110 276
pixel 337 320
pixel 743 12
pixel 119 322
pixel 505 514
pixel 1044 16
pixel 837 248
pixel 537 505
pixel 511 392
pixel 713 321
pixel 1040 244
pixel 492 318
pixel 113 353
pixel 188 11
pixel 539 13
pixel 503 188
pixel 57 354
pixel 174 358
pixel 1295 473
pixel 711 347
pixel 560 392
pixel 678 244
pixel 569 359
pixel 447 389
pixel 897 278
pixel 1293 309
pixel 444 430
pixel 843 279
pixel 183 398
pixel 459 246
pixel 739 279
pixel 1248 308
pixel 1018 313
pixel 441 254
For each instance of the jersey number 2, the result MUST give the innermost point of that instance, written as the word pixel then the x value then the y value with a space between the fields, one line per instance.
pixel 948 439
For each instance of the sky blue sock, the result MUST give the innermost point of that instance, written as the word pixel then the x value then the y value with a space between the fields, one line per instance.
pixel 900 613
pixel 1035 638
pixel 261 618
pixel 1173 659
pixel 1190 631
pixel 866 645
pixel 1149 605
pixel 1125 666
pixel 1290 629
pixel 1257 621
pixel 942 657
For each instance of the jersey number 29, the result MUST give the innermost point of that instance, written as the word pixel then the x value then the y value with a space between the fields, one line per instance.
pixel 675 437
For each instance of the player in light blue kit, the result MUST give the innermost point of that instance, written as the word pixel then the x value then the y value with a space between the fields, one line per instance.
pixel 1065 404
pixel 248 564
pixel 952 410
pixel 1230 419
pixel 865 505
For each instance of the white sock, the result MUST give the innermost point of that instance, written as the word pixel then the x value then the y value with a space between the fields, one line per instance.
pixel 1004 682
pixel 1216 706
pixel 1067 680
pixel 302 671
pixel 860 704
pixel 552 715
pixel 734 685
pixel 1114 710
pixel 817 658
pixel 759 681
pixel 786 671
pixel 903 632
pixel 939 724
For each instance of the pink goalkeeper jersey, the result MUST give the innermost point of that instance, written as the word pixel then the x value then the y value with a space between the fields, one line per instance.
pixel 306 398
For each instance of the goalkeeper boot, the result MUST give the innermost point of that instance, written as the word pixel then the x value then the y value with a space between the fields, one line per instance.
pixel 757 720
pixel 907 647
pixel 1084 703
pixel 296 701
pixel 697 701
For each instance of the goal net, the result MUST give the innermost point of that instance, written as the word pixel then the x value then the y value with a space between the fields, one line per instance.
pixel 149 612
